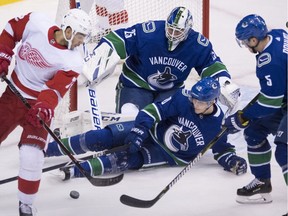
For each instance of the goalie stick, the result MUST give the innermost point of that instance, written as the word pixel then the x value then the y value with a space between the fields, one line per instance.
pixel 57 166
pixel 139 203
pixel 94 181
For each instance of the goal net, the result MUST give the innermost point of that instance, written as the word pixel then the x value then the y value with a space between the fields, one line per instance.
pixel 107 15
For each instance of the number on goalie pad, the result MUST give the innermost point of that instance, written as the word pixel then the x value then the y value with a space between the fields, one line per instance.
pixel 100 64
pixel 78 122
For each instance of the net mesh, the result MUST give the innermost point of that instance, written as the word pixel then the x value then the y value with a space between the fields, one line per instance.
pixel 107 15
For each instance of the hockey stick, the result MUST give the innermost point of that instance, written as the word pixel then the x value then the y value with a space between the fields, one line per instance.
pixel 134 202
pixel 57 166
pixel 94 181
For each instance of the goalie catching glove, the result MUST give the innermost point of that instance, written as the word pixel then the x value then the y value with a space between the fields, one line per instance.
pixel 41 111
pixel 230 93
pixel 100 64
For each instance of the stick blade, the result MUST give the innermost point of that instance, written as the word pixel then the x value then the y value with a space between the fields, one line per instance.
pixel 102 182
pixel 134 202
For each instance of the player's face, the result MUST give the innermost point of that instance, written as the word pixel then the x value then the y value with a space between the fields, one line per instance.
pixel 243 43
pixel 248 43
pixel 175 33
pixel 200 107
pixel 78 39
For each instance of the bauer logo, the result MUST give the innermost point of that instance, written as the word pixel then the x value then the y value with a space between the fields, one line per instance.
pixel 95 112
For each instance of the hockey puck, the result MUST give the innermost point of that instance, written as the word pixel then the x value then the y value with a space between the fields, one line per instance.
pixel 74 194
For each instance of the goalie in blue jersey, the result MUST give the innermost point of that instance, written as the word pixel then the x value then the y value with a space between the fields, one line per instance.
pixel 159 55
pixel 170 132
pixel 269 114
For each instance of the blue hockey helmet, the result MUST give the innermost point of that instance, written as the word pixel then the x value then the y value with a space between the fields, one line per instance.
pixel 251 26
pixel 178 25
pixel 207 89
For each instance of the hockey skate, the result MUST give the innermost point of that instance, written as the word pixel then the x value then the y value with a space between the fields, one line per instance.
pixel 256 192
pixel 25 210
pixel 66 173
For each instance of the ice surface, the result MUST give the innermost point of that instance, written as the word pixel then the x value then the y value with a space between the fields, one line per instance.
pixel 206 190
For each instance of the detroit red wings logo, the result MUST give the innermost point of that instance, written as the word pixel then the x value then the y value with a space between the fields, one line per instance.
pixel 33 56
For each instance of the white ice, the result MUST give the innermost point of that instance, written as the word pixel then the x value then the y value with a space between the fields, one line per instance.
pixel 206 190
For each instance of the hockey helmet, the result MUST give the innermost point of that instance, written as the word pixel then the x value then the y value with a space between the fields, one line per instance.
pixel 251 26
pixel 207 89
pixel 79 21
pixel 178 25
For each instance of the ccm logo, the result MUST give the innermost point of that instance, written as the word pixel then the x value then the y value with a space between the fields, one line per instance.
pixel 94 110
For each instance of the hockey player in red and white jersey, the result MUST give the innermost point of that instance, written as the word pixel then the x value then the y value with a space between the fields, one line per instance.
pixel 46 67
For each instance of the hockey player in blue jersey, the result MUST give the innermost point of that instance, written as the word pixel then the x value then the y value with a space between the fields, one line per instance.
pixel 269 114
pixel 159 55
pixel 170 132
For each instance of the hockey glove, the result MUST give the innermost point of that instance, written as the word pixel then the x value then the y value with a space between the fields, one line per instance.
pixel 40 111
pixel 136 138
pixel 230 93
pixel 5 58
pixel 233 163
pixel 235 122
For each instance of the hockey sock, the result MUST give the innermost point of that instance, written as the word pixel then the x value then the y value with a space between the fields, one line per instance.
pixel 106 164
pixel 94 140
pixel 259 157
pixel 281 158
pixel 31 163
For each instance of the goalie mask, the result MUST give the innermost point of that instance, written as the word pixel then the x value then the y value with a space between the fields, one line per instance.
pixel 250 26
pixel 79 21
pixel 178 25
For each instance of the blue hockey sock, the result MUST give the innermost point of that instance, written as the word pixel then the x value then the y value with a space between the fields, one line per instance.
pixel 281 158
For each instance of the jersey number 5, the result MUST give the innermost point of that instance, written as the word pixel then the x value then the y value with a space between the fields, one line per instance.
pixel 269 81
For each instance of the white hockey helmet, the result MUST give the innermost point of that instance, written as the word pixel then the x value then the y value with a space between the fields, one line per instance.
pixel 79 21
pixel 178 25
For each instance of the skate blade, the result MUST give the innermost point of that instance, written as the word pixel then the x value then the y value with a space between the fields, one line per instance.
pixel 255 199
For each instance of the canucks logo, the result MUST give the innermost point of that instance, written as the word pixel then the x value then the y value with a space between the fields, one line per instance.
pixel 176 139
pixel 162 80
